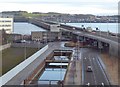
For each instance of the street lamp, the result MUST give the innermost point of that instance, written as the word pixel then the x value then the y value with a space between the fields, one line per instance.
pixel 38 43
pixel 107 27
pixel 25 51
pixel 99 42
pixel 116 29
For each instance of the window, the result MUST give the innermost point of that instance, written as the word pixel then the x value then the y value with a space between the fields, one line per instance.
pixel 5 25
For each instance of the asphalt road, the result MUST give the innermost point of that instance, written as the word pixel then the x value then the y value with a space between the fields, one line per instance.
pixel 97 76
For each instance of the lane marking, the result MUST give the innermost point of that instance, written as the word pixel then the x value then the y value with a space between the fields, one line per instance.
pixel 102 84
pixel 88 84
pixel 93 70
pixel 103 71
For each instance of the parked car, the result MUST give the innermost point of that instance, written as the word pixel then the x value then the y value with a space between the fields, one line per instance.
pixel 23 41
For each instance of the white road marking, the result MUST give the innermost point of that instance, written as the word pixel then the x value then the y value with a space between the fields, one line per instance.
pixel 93 71
pixel 102 84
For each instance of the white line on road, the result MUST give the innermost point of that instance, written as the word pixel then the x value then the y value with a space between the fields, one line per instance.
pixel 101 67
pixel 93 72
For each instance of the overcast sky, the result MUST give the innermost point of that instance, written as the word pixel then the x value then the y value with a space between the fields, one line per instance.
pixel 96 7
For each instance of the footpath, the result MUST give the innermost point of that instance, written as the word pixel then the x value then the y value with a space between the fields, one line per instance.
pixel 73 76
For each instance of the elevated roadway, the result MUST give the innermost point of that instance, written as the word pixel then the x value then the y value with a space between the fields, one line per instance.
pixel 113 41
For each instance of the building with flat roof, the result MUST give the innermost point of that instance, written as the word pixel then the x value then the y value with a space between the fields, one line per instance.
pixel 45 36
pixel 6 23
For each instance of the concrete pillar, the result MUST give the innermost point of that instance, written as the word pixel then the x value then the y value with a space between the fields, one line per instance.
pixel 113 50
pixel 100 46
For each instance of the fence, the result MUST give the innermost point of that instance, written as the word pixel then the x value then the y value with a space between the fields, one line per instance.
pixel 31 45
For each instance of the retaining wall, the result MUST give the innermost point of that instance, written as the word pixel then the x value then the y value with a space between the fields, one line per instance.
pixel 12 73
pixel 2 47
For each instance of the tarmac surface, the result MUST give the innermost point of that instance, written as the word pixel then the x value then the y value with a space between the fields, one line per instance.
pixel 98 75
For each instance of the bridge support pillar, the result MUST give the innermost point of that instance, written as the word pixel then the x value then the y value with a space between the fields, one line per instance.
pixel 113 50
pixel 100 45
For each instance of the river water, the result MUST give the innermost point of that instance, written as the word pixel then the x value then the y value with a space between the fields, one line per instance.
pixel 112 27
pixel 26 28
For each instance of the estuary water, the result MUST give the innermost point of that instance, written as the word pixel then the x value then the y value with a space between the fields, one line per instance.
pixel 112 27
pixel 26 28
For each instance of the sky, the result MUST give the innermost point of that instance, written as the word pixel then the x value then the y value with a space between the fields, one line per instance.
pixel 95 7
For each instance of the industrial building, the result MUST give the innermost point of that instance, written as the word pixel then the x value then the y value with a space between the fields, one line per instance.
pixel 45 36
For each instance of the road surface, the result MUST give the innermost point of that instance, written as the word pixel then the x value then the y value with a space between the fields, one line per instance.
pixel 98 75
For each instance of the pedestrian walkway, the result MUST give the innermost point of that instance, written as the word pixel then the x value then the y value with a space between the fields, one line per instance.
pixel 73 76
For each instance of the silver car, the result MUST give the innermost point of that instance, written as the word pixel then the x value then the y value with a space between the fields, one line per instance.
pixel 89 69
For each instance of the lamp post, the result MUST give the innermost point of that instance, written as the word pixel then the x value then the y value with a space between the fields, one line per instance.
pixel 99 43
pixel 24 45
pixel 116 30
pixel 38 43
pixel 107 27
pixel 25 51
pixel 100 32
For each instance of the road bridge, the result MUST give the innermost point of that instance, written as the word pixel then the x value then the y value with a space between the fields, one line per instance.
pixel 101 37
pixel 112 42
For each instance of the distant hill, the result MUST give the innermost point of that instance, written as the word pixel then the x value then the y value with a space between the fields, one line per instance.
pixel 61 17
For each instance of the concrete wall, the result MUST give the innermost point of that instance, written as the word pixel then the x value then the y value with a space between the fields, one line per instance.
pixel 31 45
pixel 16 70
pixel 2 47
